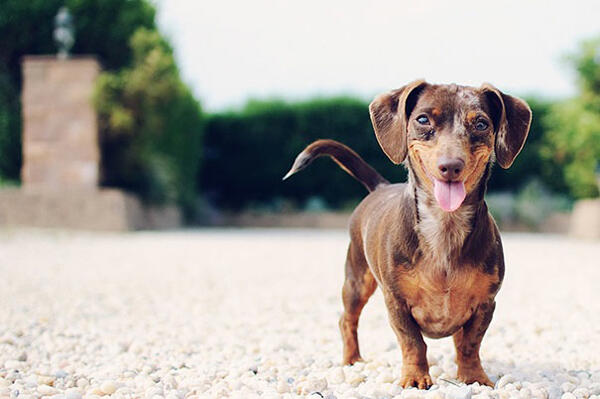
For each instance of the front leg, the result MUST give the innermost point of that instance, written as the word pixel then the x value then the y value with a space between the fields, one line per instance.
pixel 415 370
pixel 467 342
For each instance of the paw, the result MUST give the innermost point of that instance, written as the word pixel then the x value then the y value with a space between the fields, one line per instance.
pixel 475 374
pixel 415 377
pixel 350 360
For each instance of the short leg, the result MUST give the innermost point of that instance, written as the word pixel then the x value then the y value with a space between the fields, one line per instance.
pixel 415 370
pixel 467 342
pixel 359 285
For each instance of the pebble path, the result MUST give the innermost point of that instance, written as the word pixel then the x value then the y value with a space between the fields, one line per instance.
pixel 253 313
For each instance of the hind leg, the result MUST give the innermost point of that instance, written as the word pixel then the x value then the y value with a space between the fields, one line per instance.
pixel 359 285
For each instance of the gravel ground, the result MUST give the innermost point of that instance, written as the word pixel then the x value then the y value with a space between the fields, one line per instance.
pixel 253 313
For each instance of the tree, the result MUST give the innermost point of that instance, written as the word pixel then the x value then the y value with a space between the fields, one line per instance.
pixel 150 125
pixel 573 137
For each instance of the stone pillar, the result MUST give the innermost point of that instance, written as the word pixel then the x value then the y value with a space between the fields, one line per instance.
pixel 61 157
pixel 585 220
pixel 60 132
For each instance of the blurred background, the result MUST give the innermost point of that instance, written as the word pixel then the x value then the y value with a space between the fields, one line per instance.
pixel 201 106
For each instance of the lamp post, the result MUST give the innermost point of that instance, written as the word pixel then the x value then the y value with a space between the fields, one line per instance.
pixel 63 32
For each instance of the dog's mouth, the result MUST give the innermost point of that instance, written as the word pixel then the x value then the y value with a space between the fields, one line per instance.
pixel 449 194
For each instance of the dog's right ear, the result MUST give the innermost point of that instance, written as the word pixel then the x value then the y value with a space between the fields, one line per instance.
pixel 389 115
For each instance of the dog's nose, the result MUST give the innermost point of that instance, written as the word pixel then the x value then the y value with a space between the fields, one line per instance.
pixel 450 168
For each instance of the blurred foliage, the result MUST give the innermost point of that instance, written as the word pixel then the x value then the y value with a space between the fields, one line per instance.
pixel 529 165
pixel 10 129
pixel 530 206
pixel 102 28
pixel 247 153
pixel 573 138
pixel 150 133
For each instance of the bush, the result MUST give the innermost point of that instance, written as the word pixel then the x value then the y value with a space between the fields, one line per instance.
pixel 529 165
pixel 150 126
pixel 248 152
pixel 573 139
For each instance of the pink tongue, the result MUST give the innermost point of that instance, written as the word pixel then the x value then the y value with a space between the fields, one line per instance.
pixel 449 195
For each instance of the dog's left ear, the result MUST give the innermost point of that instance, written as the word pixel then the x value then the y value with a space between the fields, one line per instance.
pixel 512 119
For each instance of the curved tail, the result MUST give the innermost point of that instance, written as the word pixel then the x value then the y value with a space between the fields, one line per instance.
pixel 347 159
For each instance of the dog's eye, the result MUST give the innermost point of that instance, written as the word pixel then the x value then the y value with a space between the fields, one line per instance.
pixel 481 125
pixel 423 119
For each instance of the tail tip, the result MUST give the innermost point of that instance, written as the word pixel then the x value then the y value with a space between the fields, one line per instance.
pixel 302 160
pixel 288 174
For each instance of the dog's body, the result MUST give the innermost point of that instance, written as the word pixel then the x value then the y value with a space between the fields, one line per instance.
pixel 429 244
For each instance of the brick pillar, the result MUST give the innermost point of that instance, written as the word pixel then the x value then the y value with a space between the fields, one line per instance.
pixel 60 132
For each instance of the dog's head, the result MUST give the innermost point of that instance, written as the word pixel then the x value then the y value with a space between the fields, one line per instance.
pixel 449 134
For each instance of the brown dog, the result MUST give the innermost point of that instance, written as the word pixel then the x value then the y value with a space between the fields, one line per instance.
pixel 430 244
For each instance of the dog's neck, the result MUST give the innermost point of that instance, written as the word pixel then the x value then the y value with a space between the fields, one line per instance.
pixel 442 234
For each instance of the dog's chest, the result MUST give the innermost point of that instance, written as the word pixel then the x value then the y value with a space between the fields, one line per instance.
pixel 442 302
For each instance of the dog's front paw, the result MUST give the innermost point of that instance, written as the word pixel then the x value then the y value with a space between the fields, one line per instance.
pixel 475 374
pixel 414 376
pixel 351 359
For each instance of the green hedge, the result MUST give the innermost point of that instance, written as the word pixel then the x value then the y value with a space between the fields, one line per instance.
pixel 247 153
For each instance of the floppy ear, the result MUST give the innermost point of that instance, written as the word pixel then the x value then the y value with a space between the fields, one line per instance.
pixel 389 115
pixel 512 119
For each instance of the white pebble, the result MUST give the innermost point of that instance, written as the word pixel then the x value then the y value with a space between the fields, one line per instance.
pixel 96 391
pixel 525 393
pixel 581 393
pixel 459 392
pixel 317 384
pixel 153 391
pixel 510 387
pixel 435 371
pixel 60 374
pixel 567 386
pixel 46 390
pixel 108 387
pixel 336 376
pixel 502 382
pixel 568 395
pixel 353 378
pixel 13 364
pixel 73 393
pixel 435 395
pixel 282 386
pixel 45 380
pixel 412 393
pixel 82 383
pixel 385 376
